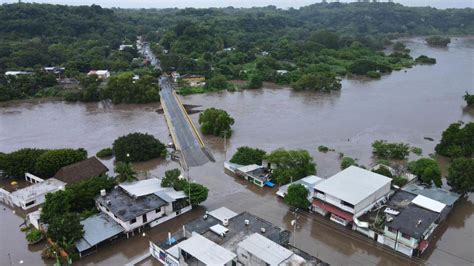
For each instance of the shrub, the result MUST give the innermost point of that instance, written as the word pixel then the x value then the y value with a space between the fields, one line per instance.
pixel 138 146
pixel 457 141
pixel 399 181
pixel 423 59
pixel 104 153
pixel 416 150
pixel 427 170
pixel 323 148
pixel 34 235
pixel 346 162
pixel 382 170
pixel 438 41
pixel 469 98
pixel 373 74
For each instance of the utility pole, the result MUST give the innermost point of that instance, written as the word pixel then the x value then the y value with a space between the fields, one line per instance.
pixel 225 145
pixel 294 224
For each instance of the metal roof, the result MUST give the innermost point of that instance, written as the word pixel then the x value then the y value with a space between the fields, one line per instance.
pixel 265 249
pixel 97 229
pixel 206 251
pixel 222 214
pixel 309 182
pixel 439 194
pixel 170 195
pixel 142 187
pixel 413 221
pixel 353 184
pixel 249 168
pixel 427 203
pixel 38 189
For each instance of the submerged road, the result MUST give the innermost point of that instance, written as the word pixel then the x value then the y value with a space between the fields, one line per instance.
pixel 186 139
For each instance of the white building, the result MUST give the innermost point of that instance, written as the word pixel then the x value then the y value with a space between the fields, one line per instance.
pixel 136 204
pixel 33 195
pixel 17 73
pixel 123 46
pixel 101 74
pixel 350 193
pixel 308 182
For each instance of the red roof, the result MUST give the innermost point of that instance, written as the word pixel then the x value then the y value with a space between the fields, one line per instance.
pixel 423 245
pixel 333 209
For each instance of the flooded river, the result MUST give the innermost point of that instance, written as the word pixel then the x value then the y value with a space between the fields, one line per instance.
pixel 405 106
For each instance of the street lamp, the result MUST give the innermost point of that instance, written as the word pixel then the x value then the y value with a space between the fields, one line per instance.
pixel 294 224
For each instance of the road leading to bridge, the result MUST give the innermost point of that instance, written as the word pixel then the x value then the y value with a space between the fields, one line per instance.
pixel 185 137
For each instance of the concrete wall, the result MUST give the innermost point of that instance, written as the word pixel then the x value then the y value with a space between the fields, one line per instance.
pixel 247 258
pixel 380 193
pixel 334 201
pixel 152 215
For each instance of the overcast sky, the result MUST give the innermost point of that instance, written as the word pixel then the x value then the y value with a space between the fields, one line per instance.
pixel 235 3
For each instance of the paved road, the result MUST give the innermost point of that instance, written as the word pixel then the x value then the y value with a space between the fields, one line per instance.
pixel 192 151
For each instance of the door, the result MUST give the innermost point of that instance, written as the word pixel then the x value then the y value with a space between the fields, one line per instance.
pixel 144 218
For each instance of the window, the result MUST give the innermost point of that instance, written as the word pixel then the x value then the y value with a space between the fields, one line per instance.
pixel 390 229
pixel 157 210
pixel 29 203
pixel 406 236
pixel 134 220
pixel 347 204
pixel 320 192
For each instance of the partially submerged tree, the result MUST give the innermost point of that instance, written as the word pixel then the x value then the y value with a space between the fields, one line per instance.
pixel 216 122
pixel 346 162
pixel 395 151
pixel 17 163
pixel 137 147
pixel 427 170
pixel 461 175
pixel 457 141
pixel 125 172
pixel 291 164
pixel 171 178
pixel 65 228
pixel 297 196
pixel 246 156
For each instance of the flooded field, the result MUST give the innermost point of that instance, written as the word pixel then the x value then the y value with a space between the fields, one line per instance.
pixel 405 106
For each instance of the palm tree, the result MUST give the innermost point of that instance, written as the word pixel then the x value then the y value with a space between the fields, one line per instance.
pixel 125 172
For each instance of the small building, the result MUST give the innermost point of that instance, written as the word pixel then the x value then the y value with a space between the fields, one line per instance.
pixel 282 72
pixel 33 195
pixel 98 229
pixel 223 237
pixel 175 76
pixel 55 70
pixel 229 49
pixel 137 204
pixel 308 182
pixel 123 46
pixel 101 74
pixel 82 170
pixel 194 80
pixel 17 73
pixel 433 192
pixel 256 174
pixel 350 193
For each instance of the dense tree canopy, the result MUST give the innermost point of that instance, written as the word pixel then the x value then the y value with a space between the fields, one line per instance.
pixel 386 150
pixel 122 88
pixel 216 122
pixel 125 172
pixel 246 156
pixel 291 165
pixel 65 228
pixel 297 196
pixel 438 41
pixel 17 163
pixel 457 141
pixel 427 170
pixel 51 161
pixel 136 147
pixel 461 175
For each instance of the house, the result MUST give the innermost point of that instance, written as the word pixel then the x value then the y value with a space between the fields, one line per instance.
pixel 98 229
pixel 32 195
pixel 256 174
pixel 82 170
pixel 101 74
pixel 223 237
pixel 55 70
pixel 137 204
pixel 282 72
pixel 308 182
pixel 433 192
pixel 17 73
pixel 194 80
pixel 409 229
pixel 349 194
pixel 229 49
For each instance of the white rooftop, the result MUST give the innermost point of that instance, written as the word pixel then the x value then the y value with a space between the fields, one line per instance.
pixel 142 187
pixel 38 189
pixel 170 195
pixel 249 168
pixel 265 249
pixel 353 184
pixel 206 251
pixel 309 182
pixel 222 214
pixel 427 203
pixel 219 229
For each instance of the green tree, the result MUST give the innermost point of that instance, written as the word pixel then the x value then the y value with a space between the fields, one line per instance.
pixel 125 172
pixel 255 82
pixel 216 122
pixel 291 164
pixel 427 170
pixel 137 147
pixel 457 141
pixel 19 162
pixel 51 161
pixel 317 82
pixel 246 156
pixel 218 82
pixel 122 88
pixel 65 228
pixel 382 170
pixel 438 40
pixel 197 192
pixel 104 153
pixel 171 178
pixel 297 196
pixel 346 162
pixel 469 98
pixel 461 175
pixel 394 151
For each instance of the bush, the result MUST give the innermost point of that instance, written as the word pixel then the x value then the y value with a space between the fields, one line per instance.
pixel 438 41
pixel 382 170
pixel 346 162
pixel 461 175
pixel 423 59
pixel 394 151
pixel 51 161
pixel 246 156
pixel 297 196
pixel 34 235
pixel 323 148
pixel 139 147
pixel 416 150
pixel 104 153
pixel 291 164
pixel 374 74
pixel 216 122
pixel 17 163
pixel 469 98
pixel 399 181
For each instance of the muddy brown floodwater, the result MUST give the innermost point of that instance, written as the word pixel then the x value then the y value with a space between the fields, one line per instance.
pixel 405 106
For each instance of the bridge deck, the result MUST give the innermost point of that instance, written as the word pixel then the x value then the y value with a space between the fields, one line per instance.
pixel 186 138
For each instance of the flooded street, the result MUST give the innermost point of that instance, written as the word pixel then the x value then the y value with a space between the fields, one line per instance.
pixel 405 106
